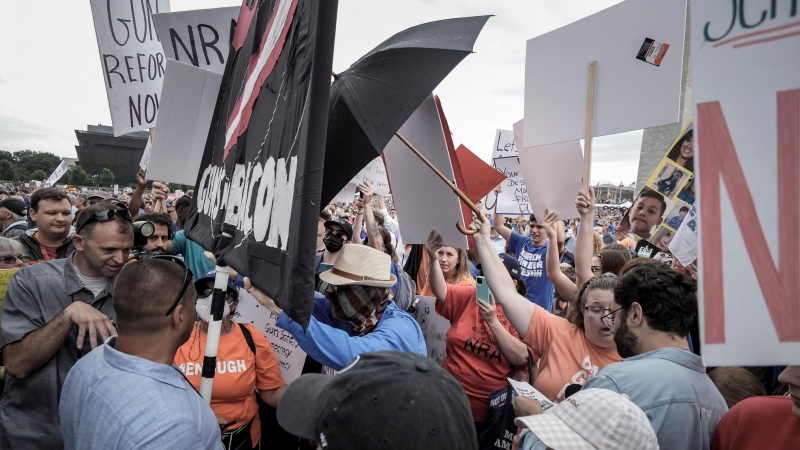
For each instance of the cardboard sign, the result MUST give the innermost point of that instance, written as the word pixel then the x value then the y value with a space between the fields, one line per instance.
pixel 553 175
pixel 199 37
pixel 145 161
pixel 5 278
pixel 375 174
pixel 290 356
pixel 630 94
pixel 747 110
pixel 513 199
pixel 187 106
pixel 505 144
pixel 132 60
pixel 57 174
pixel 416 190
pixel 434 328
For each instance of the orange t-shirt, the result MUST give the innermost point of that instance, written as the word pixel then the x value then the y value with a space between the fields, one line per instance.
pixel 567 357
pixel 472 354
pixel 239 372
pixel 469 281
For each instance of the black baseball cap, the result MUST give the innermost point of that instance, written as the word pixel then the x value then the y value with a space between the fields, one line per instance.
pixel 15 205
pixel 512 266
pixel 183 201
pixel 382 401
pixel 348 229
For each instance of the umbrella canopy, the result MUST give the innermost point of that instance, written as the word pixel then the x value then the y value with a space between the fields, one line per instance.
pixel 372 99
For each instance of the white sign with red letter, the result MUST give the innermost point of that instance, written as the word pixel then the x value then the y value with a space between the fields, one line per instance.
pixel 747 112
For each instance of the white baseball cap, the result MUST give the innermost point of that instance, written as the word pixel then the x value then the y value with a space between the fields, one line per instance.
pixel 593 419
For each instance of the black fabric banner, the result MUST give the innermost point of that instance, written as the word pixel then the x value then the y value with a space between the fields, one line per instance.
pixel 261 174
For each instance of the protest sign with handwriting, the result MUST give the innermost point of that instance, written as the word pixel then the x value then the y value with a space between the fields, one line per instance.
pixel 513 199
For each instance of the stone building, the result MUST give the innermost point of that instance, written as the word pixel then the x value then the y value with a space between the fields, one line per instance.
pixel 98 148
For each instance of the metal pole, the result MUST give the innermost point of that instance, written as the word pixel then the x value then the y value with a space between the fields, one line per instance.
pixel 214 332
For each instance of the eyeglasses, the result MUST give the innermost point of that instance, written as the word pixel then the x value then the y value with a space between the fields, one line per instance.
pixel 608 319
pixel 11 259
pixel 337 233
pixel 187 278
pixel 107 215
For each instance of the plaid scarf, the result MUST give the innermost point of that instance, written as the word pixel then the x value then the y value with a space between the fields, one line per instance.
pixel 359 305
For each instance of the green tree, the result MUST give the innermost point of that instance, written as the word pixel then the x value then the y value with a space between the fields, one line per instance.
pixel 7 171
pixel 106 177
pixel 30 161
pixel 77 176
pixel 6 156
pixel 39 175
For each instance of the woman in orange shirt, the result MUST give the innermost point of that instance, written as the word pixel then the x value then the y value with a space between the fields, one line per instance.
pixel 570 351
pixel 240 370
pixel 481 347
pixel 454 267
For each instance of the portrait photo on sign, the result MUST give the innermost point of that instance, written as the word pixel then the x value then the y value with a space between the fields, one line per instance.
pixel 646 213
pixel 669 179
pixel 676 215
pixel 682 152
pixel 662 238
pixel 687 193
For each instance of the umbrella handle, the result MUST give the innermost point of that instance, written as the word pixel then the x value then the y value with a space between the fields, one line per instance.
pixel 465 231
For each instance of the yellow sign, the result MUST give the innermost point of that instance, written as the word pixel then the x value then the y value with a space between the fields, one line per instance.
pixel 5 278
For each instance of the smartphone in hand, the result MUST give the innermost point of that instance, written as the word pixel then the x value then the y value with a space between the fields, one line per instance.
pixel 483 290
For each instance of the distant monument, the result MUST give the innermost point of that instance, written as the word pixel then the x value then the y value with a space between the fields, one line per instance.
pixel 98 148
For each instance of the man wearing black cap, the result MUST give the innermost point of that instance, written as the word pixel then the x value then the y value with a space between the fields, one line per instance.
pixel 382 400
pixel 337 233
pixel 13 214
pixel 182 208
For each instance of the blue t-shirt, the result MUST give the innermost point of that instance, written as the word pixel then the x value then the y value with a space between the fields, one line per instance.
pixel 533 270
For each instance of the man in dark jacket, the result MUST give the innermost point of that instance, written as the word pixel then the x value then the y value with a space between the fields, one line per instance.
pixel 13 214
pixel 51 239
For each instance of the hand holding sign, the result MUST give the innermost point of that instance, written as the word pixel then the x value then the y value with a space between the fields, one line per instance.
pixel 585 204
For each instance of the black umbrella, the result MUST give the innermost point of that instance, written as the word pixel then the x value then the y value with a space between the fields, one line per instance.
pixel 372 99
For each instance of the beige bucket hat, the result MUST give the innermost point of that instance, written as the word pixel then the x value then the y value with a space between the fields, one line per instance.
pixel 362 265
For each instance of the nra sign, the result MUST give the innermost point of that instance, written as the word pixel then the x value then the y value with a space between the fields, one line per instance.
pixel 747 115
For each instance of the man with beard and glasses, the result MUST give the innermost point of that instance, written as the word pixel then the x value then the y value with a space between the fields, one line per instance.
pixel 652 312
pixel 356 315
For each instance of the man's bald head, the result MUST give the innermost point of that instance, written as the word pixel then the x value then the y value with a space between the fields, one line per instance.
pixel 144 291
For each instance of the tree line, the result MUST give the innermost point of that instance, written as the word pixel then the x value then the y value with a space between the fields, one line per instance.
pixel 27 165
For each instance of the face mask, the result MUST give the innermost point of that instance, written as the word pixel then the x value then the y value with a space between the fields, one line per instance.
pixel 359 305
pixel 204 309
pixel 333 243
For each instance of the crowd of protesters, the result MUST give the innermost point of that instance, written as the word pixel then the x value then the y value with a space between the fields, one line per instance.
pixel 104 329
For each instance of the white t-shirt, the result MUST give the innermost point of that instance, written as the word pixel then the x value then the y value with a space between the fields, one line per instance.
pixel 95 285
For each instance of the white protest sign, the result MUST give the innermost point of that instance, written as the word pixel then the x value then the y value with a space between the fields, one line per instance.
pixel 132 60
pixel 552 174
pixel 684 244
pixel 374 174
pixel 145 161
pixel 346 195
pixel 187 107
pixel 416 190
pixel 290 356
pixel 434 328
pixel 747 138
pixel 504 144
pixel 524 389
pixel 631 93
pixel 116 189
pixel 513 199
pixel 199 37
pixel 57 174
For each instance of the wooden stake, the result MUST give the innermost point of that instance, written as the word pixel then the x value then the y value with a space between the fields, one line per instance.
pixel 451 184
pixel 591 81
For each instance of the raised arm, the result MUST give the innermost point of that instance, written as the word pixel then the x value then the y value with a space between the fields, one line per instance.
pixel 514 349
pixel 584 239
pixel 135 202
pixel 358 221
pixel 435 276
pixel 561 282
pixel 500 226
pixel 517 308
pixel 372 233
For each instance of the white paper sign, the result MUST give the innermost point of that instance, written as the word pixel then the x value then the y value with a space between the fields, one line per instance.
pixel 145 161
pixel 346 195
pixel 552 174
pixel 524 389
pixel 290 356
pixel 513 199
pixel 684 244
pixel 631 94
pixel 434 328
pixel 505 144
pixel 187 107
pixel 199 37
pixel 746 91
pixel 416 190
pixel 57 174
pixel 132 60
pixel 116 189
pixel 374 174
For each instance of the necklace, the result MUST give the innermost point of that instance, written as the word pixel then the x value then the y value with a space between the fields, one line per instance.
pixel 226 328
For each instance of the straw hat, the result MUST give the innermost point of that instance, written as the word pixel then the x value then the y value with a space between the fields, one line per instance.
pixel 362 265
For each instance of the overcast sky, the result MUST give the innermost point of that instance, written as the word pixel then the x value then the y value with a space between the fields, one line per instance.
pixel 51 80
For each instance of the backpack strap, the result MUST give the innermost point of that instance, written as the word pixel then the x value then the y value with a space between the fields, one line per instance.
pixel 248 337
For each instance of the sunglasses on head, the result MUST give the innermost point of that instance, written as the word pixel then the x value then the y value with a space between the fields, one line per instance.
pixel 106 216
pixel 187 278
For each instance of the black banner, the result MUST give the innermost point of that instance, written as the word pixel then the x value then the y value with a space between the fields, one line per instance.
pixel 261 174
